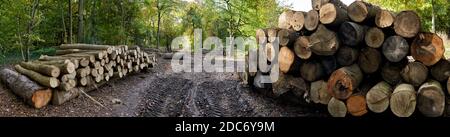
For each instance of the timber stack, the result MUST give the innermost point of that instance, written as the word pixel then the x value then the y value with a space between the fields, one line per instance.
pixel 75 68
pixel 354 59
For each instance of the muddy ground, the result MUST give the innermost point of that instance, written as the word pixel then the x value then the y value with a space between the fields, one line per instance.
pixel 163 93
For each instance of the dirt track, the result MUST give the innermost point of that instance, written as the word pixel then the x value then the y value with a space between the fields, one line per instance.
pixel 163 93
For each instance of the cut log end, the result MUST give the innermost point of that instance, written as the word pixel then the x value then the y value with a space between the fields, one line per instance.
pixel 343 81
pixel 384 19
pixel 311 20
pixel 328 13
pixel 431 99
pixel 407 24
pixel 427 48
pixel 374 37
pixel 337 108
pixel 395 48
pixel 403 100
pixel 285 59
pixel 301 48
pixel 356 105
pixel 357 11
pixel 41 98
pixel 378 97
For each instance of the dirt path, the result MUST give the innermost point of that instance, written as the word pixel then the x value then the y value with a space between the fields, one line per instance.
pixel 163 93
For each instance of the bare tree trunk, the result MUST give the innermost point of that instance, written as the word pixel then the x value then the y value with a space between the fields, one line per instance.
pixel 433 18
pixel 69 39
pixel 159 23
pixel 62 20
pixel 30 28
pixel 81 21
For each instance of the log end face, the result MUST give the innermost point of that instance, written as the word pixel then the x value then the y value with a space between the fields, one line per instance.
pixel 327 13
pixel 337 108
pixel 407 24
pixel 403 100
pixel 356 105
pixel 384 19
pixel 427 48
pixel 41 98
pixel 357 11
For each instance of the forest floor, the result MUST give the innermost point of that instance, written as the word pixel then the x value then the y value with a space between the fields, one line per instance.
pixel 163 93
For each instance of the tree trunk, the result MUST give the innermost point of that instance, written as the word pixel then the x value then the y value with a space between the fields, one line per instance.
pixel 374 37
pixel 352 34
pixel 301 47
pixel 369 60
pixel 360 11
pixel 378 97
pixel 69 39
pixel 159 24
pixel 390 72
pixel 311 70
pixel 344 81
pixel 50 82
pixel 415 73
pixel 31 24
pixel 33 93
pixel 395 48
pixel 298 20
pixel 346 56
pixel 384 19
pixel 65 66
pixel 47 70
pixel 324 42
pixel 427 48
pixel 403 100
pixel 108 49
pixel 332 15
pixel 80 21
pixel 311 20
pixel 441 70
pixel 284 20
pixel 356 105
pixel 431 99
pixel 337 108
pixel 407 24
pixel 319 92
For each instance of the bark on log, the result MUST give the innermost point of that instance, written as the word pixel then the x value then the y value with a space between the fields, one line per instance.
pixel 378 97
pixel 317 4
pixel 391 72
pixel 301 47
pixel 284 19
pixel 441 70
pixel 298 20
pixel 395 48
pixel 337 108
pixel 39 78
pixel 47 70
pixel 360 11
pixel 369 60
pixel 431 99
pixel 403 100
pixel 415 73
pixel 91 58
pixel 330 14
pixel 352 34
pixel 329 64
pixel 427 48
pixel 407 24
pixel 87 47
pixel 319 92
pixel 311 20
pixel 346 56
pixel 374 37
pixel 324 42
pixel 344 80
pixel 356 105
pixel 311 71
pixel 384 19
pixel 33 93
pixel 65 66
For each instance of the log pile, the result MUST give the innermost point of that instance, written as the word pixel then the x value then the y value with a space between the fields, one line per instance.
pixel 356 59
pixel 75 68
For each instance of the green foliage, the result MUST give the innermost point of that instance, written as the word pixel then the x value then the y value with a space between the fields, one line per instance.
pixel 425 10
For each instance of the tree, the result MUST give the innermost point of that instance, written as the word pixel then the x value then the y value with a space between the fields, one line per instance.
pixel 80 21
pixel 31 25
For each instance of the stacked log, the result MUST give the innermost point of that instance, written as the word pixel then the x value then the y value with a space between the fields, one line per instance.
pixel 76 68
pixel 358 59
